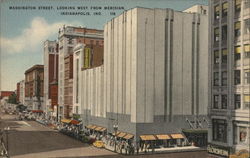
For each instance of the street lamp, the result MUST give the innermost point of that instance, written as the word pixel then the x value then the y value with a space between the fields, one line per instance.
pixel 115 129
pixel 7 140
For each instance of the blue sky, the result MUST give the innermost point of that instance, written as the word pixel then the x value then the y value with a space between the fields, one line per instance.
pixel 22 32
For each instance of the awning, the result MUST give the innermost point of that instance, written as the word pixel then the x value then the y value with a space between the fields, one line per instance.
pixel 74 122
pixel 65 121
pixel 98 128
pixel 128 136
pixel 177 136
pixel 162 136
pixel 93 127
pixel 103 129
pixel 121 134
pixel 246 98
pixel 147 137
pixel 116 133
pixel 89 126
pixel 37 111
pixel 237 25
pixel 237 49
pixel 247 48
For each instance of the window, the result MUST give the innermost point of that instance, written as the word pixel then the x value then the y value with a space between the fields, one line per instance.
pixel 236 77
pixel 70 49
pixel 224 101
pixel 216 34
pixel 224 56
pixel 219 130
pixel 237 101
pixel 247 76
pixel 224 32
pixel 247 26
pixel 216 78
pixel 242 134
pixel 217 12
pixel 247 4
pixel 216 102
pixel 216 57
pixel 237 51
pixel 224 78
pixel 246 101
pixel 237 5
pixel 237 26
pixel 247 50
pixel 224 9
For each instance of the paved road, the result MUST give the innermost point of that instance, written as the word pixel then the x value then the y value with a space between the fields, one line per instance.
pixel 29 139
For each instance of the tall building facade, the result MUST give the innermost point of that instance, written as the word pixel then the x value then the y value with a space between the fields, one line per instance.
pixel 21 92
pixel 68 38
pixel 34 87
pixel 229 60
pixel 155 74
pixel 50 74
pixel 85 57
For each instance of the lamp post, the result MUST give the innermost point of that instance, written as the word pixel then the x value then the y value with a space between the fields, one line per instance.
pixel 115 129
pixel 7 140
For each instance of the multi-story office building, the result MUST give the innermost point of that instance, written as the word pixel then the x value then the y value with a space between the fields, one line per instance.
pixel 155 75
pixel 50 74
pixel 229 61
pixel 34 87
pixel 20 92
pixel 85 57
pixel 68 37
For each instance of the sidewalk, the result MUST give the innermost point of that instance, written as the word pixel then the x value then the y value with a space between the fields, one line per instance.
pixel 160 150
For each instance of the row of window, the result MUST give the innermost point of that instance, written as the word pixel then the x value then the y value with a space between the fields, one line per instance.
pixel 237 101
pixel 237 77
pixel 237 54
pixel 220 132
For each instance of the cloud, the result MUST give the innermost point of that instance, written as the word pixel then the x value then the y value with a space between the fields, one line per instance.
pixel 33 37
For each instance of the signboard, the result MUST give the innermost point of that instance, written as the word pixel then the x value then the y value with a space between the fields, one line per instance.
pixel 214 149
pixel 86 58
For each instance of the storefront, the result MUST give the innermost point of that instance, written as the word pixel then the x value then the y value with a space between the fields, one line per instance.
pixel 216 151
pixel 196 136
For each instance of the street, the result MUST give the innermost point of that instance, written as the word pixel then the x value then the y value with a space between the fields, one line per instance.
pixel 29 139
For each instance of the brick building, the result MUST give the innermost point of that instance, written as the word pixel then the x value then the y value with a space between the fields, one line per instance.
pixel 50 76
pixel 68 38
pixel 34 87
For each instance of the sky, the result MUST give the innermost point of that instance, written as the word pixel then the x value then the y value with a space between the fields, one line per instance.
pixel 23 31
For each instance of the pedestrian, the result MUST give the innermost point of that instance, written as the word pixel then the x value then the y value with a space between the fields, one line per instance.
pixel 137 148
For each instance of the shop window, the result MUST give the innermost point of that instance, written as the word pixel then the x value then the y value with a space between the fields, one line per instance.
pixel 247 50
pixel 237 5
pixel 237 101
pixel 224 78
pixel 224 101
pixel 216 34
pixel 219 130
pixel 216 102
pixel 237 26
pixel 237 53
pixel 224 32
pixel 216 57
pixel 216 78
pixel 247 76
pixel 236 77
pixel 246 101
pixel 224 9
pixel 224 56
pixel 217 12
pixel 242 134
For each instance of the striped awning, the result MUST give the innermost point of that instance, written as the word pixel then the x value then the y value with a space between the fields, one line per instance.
pixel 162 136
pixel 177 136
pixel 98 128
pixel 121 134
pixel 116 133
pixel 147 137
pixel 65 121
pixel 128 136
pixel 93 127
pixel 103 129
pixel 89 126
